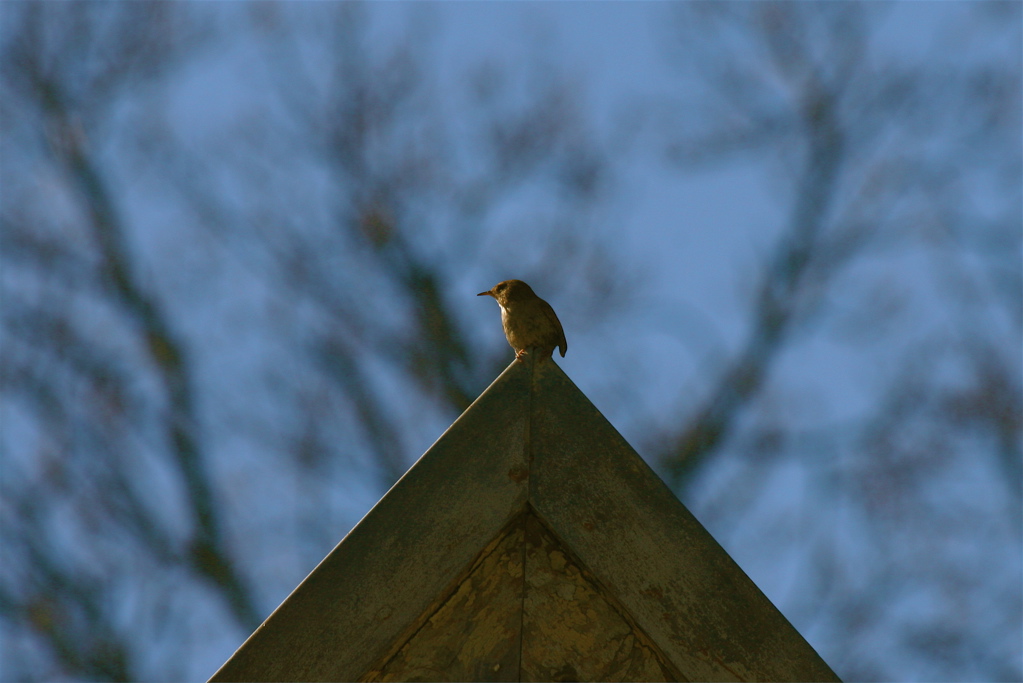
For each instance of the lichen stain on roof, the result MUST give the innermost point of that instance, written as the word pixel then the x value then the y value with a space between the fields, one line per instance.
pixel 473 635
pixel 570 629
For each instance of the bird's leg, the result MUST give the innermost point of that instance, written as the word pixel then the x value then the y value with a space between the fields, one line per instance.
pixel 519 354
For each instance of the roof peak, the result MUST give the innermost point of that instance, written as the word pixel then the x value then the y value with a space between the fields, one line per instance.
pixel 531 443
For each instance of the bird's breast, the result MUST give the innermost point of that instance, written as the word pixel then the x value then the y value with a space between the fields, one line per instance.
pixel 512 327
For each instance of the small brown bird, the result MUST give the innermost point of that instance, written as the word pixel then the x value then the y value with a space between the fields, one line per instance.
pixel 529 321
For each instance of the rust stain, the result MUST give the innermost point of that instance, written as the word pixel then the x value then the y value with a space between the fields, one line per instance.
pixel 518 474
pixel 654 592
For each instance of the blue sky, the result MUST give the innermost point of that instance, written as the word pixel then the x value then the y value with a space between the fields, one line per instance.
pixel 692 242
pixel 699 239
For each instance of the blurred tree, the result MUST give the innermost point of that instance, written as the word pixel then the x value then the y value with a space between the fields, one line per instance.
pixel 405 184
pixel 235 241
pixel 347 200
pixel 902 241
pixel 96 375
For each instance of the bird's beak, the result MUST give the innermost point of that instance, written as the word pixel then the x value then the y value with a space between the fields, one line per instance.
pixel 485 294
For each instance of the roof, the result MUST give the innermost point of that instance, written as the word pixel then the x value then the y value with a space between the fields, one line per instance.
pixel 530 542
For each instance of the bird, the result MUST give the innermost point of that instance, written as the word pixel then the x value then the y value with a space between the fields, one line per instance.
pixel 529 322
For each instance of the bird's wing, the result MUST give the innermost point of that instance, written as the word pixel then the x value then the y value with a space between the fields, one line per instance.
pixel 562 343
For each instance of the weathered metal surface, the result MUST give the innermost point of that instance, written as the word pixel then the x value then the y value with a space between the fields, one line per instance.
pixel 405 553
pixel 679 586
pixel 621 582
pixel 572 630
pixel 474 635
